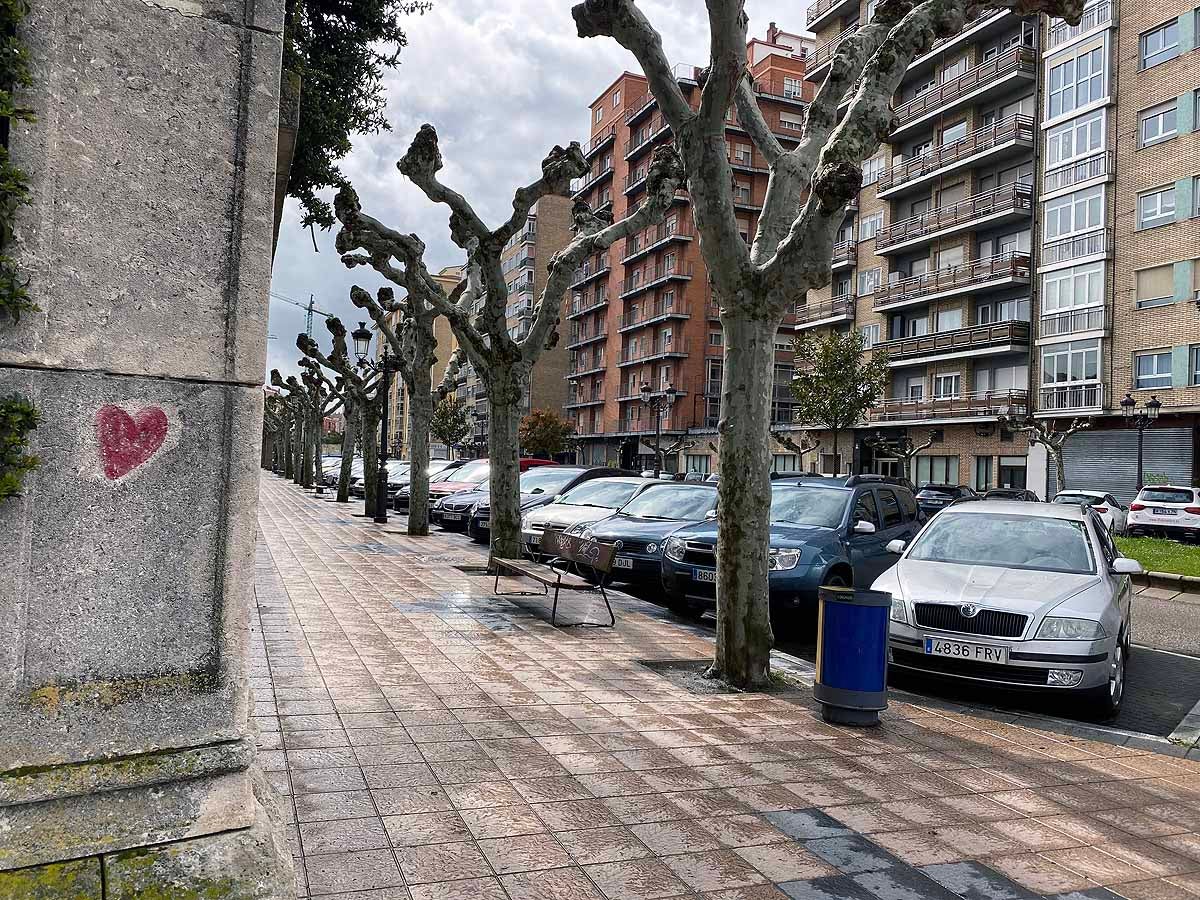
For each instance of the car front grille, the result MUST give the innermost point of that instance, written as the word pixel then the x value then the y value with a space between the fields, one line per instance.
pixel 968 668
pixel 991 622
pixel 631 546
pixel 700 554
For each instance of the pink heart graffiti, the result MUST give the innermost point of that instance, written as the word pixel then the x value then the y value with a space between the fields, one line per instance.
pixel 128 441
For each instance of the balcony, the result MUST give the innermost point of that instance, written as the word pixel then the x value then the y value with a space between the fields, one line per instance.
pixel 592 398
pixel 844 255
pixel 608 135
pixel 655 275
pixel 523 286
pixel 996 271
pixel 645 425
pixel 581 336
pixel 1095 167
pixel 636 179
pixel 822 12
pixel 640 107
pixel 587 364
pixel 977 340
pixel 969 405
pixel 586 303
pixel 581 186
pixel 657 312
pixel 1094 16
pixel 1072 322
pixel 1096 245
pixel 593 268
pixel 1013 133
pixel 836 309
pixel 714 311
pixel 823 54
pixel 987 77
pixel 658 350
pixel 1010 201
pixel 645 136
pixel 774 89
pixel 1071 397
pixel 654 237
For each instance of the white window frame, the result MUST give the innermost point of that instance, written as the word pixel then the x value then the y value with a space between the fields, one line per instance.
pixel 870 335
pixel 1077 354
pixel 793 87
pixel 1091 127
pixel 1168 51
pixel 1092 277
pixel 1157 117
pixel 869 226
pixel 599 113
pixel 869 281
pixel 953 379
pixel 1155 379
pixel 616 98
pixel 1066 93
pixel 872 169
pixel 791 122
pixel 1075 201
pixel 1156 211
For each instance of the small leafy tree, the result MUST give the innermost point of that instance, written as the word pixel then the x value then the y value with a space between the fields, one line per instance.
pixel 837 384
pixel 451 422
pixel 1050 436
pixel 17 418
pixel 543 433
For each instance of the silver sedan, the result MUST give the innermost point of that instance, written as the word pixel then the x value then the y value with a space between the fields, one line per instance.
pixel 1020 595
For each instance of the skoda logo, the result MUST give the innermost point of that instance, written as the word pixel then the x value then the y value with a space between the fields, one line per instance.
pixel 969 610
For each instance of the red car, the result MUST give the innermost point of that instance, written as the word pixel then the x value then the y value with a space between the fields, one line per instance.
pixel 471 476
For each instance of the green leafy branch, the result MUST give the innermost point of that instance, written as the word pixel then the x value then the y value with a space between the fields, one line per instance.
pixel 17 418
pixel 14 186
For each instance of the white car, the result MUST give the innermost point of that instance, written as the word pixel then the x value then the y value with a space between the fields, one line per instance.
pixel 1166 509
pixel 1019 595
pixel 1106 506
pixel 582 505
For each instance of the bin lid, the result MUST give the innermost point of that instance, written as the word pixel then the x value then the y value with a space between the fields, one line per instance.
pixel 854 596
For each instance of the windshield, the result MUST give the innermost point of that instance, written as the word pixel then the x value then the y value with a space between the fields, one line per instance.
pixel 444 475
pixel 930 490
pixel 808 506
pixel 1008 541
pixel 472 472
pixel 397 467
pixel 1165 495
pixel 607 493
pixel 437 465
pixel 1078 499
pixel 547 479
pixel 672 502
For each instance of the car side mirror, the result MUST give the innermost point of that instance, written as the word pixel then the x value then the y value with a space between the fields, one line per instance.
pixel 1123 565
pixel 897 546
pixel 711 514
pixel 862 526
pixel 556 498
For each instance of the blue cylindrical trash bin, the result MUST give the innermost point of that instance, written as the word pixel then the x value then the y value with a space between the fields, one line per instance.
pixel 852 643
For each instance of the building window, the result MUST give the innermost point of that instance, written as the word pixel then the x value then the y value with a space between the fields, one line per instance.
pixel 954 133
pixel 946 387
pixel 1012 471
pixel 948 319
pixel 1161 44
pixel 741 154
pixel 937 470
pixel 785 462
pixel 1155 286
pixel 1074 213
pixel 791 122
pixel 716 338
pixel 741 192
pixel 1156 207
pixel 868 226
pixel 1195 359
pixel 983 473
pixel 1071 362
pixel 1152 369
pixel 792 87
pixel 841 287
pixel 1075 140
pixel 616 99
pixel 1076 82
pixel 870 335
pixel 599 113
pixel 1070 288
pixel 868 281
pixel 698 462
pixel 871 170
pixel 1157 124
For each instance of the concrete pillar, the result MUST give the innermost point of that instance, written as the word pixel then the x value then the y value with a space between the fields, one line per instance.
pixel 127 766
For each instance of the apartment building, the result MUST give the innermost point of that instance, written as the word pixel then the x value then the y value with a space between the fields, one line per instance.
pixel 933 264
pixel 643 313
pixel 1120 238
pixel 525 262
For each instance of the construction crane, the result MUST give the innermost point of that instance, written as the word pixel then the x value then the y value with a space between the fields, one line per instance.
pixel 309 308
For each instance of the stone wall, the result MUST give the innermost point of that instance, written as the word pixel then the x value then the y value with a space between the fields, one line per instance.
pixel 127 577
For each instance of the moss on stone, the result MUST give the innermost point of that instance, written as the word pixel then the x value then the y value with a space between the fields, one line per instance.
pixel 78 879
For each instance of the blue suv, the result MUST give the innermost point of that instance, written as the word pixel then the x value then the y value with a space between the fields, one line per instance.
pixel 824 531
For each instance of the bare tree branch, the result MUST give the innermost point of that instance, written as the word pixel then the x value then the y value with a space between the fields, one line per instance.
pixel 750 117
pixel 558 168
pixel 421 164
pixel 801 449
pixel 726 63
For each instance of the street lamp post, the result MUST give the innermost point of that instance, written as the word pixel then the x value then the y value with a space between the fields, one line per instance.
pixel 656 403
pixel 1141 419
pixel 362 347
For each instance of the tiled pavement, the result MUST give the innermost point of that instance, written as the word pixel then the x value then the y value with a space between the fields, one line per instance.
pixel 438 743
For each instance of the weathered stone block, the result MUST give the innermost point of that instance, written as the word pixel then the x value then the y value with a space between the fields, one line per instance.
pixel 78 879
pixel 148 242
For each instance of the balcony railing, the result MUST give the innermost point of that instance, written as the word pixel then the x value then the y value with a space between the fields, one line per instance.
pixel 595 428
pixel 585 303
pixel 646 240
pixel 1015 59
pixel 585 399
pixel 1094 244
pixel 630 355
pixel 600 140
pixel 1072 321
pixel 639 106
pixel 587 363
pixel 1093 17
pixel 654 313
pixel 1014 128
pixel 1073 395
pixel 587 335
pixel 1097 166
pixel 978 337
pixel 1014 197
pixel 646 135
pixel 641 281
pixel 580 185
pixel 646 424
pixel 820 8
pixel 844 252
pixel 598 265
pixel 970 274
pixel 969 405
pixel 824 51
pixel 636 178
pixel 836 307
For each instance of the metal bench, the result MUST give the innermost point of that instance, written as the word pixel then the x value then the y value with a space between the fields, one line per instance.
pixel 563 550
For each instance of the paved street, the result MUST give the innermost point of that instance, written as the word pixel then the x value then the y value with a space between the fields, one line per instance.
pixel 434 742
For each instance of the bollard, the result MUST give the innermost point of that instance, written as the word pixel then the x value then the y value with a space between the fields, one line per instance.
pixel 852 644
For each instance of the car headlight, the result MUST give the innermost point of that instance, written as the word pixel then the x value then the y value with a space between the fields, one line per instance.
pixel 899 614
pixel 781 560
pixel 474 509
pixel 1060 629
pixel 587 534
pixel 674 549
pixel 525 523
pixel 440 504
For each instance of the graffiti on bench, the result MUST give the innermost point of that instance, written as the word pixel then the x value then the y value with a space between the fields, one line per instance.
pixel 575 549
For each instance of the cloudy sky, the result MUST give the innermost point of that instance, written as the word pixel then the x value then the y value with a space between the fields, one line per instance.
pixel 503 83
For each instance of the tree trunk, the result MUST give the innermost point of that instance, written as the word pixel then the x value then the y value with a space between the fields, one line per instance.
pixel 744 636
pixel 306 458
pixel 317 448
pixel 343 491
pixel 420 414
pixel 837 467
pixel 1060 467
pixel 370 455
pixel 298 449
pixel 285 459
pixel 504 399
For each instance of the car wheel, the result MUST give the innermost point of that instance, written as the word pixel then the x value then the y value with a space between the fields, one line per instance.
pixel 1105 701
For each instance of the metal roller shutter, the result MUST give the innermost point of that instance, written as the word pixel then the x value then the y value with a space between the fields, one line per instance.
pixel 1107 460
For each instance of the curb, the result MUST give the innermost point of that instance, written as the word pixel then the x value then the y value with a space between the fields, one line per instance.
pixel 1184 584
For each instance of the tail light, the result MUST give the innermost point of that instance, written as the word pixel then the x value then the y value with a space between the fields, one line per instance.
pixel 1136 507
pixel 1100 509
pixel 1194 510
